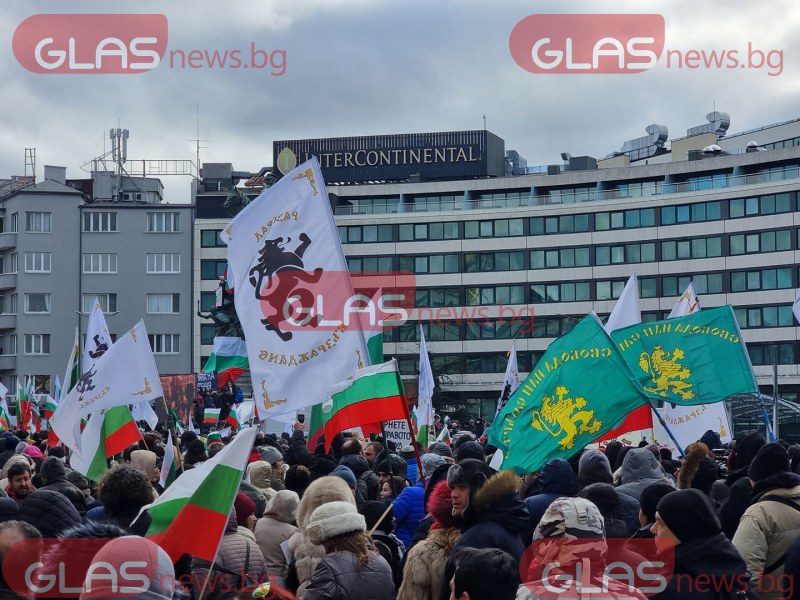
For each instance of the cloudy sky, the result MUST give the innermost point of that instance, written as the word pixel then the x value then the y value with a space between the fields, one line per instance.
pixel 362 67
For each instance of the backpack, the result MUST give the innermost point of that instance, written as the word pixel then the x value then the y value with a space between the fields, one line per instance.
pixel 393 551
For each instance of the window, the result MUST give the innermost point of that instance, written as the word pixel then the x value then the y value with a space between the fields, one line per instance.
pixel 212 269
pixel 627 219
pixel 163 263
pixel 369 264
pixel 695 248
pixel 563 224
pixel 441 263
pixel 494 261
pixel 766 241
pixel 496 228
pixel 560 292
pixel 208 301
pixel 99 263
pixel 12 306
pixel 163 303
pixel 496 330
pixel 14 222
pixel 766 316
pixel 629 253
pixel 108 302
pixel 427 231
pixel 765 279
pixel 439 332
pixel 97 222
pixel 436 298
pixel 611 290
pixel 209 238
pixel 14 263
pixel 37 222
pixel 553 326
pixel 770 354
pixel 504 294
pixel 163 222
pixel 761 205
pixel 37 262
pixel 358 234
pixel 703 284
pixel 165 343
pixel 37 343
pixel 37 303
pixel 565 257
pixel 207 334
pixel 12 345
pixel 691 213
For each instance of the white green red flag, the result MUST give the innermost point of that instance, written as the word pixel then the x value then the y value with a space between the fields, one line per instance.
pixel 444 435
pixel 372 394
pixel 423 413
pixel 211 415
pixel 233 420
pixel 108 433
pixel 50 406
pixel 5 415
pixel 169 470
pixel 228 358
pixel 191 515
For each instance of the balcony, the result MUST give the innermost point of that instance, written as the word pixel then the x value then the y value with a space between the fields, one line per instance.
pixel 8 240
pixel 8 321
pixel 8 281
pixel 8 362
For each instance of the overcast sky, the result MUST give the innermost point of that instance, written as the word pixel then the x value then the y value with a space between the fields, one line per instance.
pixel 362 67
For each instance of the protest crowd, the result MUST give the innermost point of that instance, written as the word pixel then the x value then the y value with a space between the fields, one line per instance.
pixel 362 520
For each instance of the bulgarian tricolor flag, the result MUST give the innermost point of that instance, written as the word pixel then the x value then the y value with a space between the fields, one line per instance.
pixel 25 403
pixel 444 435
pixel 228 358
pixel 316 427
pixel 168 469
pixel 190 517
pixel 423 414
pixel 373 394
pixel 50 406
pixel 211 415
pixel 108 433
pixel 5 421
pixel 233 420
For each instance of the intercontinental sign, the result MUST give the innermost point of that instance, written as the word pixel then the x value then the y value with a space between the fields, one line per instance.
pixel 397 157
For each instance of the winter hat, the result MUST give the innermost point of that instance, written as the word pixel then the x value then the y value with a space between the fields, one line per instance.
pixel 159 571
pixel 745 449
pixel 570 518
pixel 78 480
pixel 346 474
pixel 770 460
pixel 270 454
pixel 11 442
pixel 399 467
pixel 407 452
pixel 245 507
pixel 8 509
pixel 333 519
pixel 470 472
pixel 20 447
pixel 195 453
pixel 187 437
pixel 33 452
pixel 711 439
pixel 440 505
pixel 430 462
pixel 651 496
pixel 602 495
pixel 441 449
pixel 689 515
pixel 321 465
pixel 23 460
pixel 52 469
pixel 373 511
pixel 470 450
pixel 356 463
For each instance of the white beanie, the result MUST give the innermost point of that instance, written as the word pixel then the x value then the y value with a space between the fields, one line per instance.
pixel 332 519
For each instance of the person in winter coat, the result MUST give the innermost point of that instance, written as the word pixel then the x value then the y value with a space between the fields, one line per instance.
pixel 493 514
pixel 50 512
pixel 772 522
pixel 351 567
pixel 274 528
pixel 124 490
pixel 648 501
pixel 383 538
pixel 275 458
pixel 556 479
pixel 305 552
pixel 737 489
pixel 606 498
pixel 570 519
pixel 367 480
pixel 594 467
pixel 259 474
pixel 699 470
pixel 705 561
pixel 423 574
pixel 640 468
pixel 409 510
pixel 237 555
pixel 54 477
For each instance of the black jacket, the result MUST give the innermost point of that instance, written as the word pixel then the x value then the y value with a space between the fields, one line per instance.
pixel 706 560
pixel 48 511
pixel 740 495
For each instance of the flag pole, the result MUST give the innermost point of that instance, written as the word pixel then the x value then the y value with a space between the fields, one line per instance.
pixel 388 459
pixel 666 428
pixel 414 443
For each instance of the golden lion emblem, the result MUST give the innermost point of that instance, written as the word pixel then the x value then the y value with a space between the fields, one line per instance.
pixel 666 373
pixel 268 402
pixel 561 414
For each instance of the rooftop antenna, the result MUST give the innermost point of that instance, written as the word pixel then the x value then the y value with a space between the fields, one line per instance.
pixel 197 141
pixel 484 122
pixel 30 163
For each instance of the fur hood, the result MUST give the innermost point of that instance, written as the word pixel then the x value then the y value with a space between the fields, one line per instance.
pixel 501 485
pixel 260 474
pixel 695 453
pixel 321 491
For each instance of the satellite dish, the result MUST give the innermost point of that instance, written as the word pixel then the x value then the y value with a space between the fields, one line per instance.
pixel 752 144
